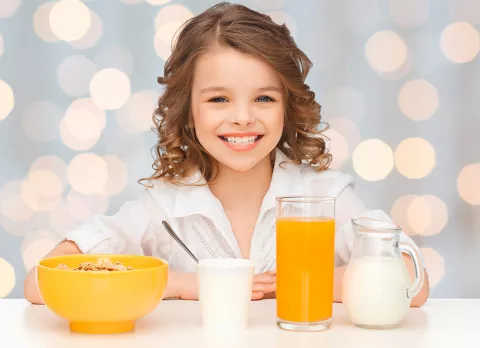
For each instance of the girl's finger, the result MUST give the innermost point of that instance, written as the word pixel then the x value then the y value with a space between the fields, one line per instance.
pixel 264 287
pixel 257 295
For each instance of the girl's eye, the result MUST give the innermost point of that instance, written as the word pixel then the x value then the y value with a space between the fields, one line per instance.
pixel 218 100
pixel 264 98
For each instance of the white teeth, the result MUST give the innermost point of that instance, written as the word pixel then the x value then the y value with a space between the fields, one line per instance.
pixel 242 140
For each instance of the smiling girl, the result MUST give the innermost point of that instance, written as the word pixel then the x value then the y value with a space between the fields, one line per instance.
pixel 237 126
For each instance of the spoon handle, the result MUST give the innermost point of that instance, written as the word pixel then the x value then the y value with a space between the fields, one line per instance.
pixel 178 240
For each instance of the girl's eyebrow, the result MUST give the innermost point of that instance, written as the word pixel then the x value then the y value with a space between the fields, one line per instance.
pixel 261 89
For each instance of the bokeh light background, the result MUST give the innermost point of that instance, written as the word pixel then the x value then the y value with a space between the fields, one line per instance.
pixel 398 81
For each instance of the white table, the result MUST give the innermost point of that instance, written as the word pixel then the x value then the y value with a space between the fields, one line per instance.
pixel 439 323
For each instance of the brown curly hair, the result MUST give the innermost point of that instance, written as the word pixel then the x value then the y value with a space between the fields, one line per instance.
pixel 178 152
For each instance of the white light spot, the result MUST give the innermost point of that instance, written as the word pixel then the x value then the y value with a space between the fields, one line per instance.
pixel 385 51
pixel 12 204
pixel 460 42
pixel 88 174
pixel 418 99
pixel 70 20
pixel 415 158
pixel 41 22
pixel 110 89
pixel 373 160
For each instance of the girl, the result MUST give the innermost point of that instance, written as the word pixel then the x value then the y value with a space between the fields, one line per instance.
pixel 237 126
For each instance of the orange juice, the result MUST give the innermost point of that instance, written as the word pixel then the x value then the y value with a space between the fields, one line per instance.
pixel 305 264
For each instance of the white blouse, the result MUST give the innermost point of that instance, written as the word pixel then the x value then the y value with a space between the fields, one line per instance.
pixel 197 216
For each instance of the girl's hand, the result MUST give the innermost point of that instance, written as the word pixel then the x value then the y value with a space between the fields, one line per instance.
pixel 264 285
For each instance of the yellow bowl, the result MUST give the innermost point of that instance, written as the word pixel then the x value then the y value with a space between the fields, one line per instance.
pixel 102 302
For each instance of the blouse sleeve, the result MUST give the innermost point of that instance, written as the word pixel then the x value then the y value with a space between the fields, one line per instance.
pixel 134 229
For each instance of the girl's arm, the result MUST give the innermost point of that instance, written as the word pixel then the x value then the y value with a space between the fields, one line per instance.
pixel 30 285
pixel 417 301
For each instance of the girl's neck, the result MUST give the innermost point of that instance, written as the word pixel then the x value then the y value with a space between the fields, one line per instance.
pixel 235 188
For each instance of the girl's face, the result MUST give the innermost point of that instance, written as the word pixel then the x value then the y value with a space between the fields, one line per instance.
pixel 237 107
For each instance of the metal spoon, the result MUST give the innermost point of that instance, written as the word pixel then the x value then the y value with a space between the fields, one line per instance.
pixel 178 240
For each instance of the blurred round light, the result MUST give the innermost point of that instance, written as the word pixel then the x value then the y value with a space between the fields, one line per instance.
pixel 83 124
pixel 41 22
pixel 7 98
pixel 136 115
pixel 281 17
pixel 80 129
pixel 84 207
pixel 110 89
pixel 7 9
pixel 385 51
pixel 131 2
pixel 115 56
pixel 74 75
pixel 460 42
pixel 7 275
pixel 427 215
pixel 70 20
pixel 41 120
pixel 119 175
pixel 42 190
pixel 348 129
pixel 409 13
pixel 344 102
pixel 88 174
pixel 157 2
pixel 172 13
pixel 92 36
pixel 418 99
pixel 37 249
pixel 468 184
pixel 338 147
pixel 415 158
pixel 399 213
pixel 434 264
pixel 90 106
pixel 373 160
pixel 12 204
pixel 53 164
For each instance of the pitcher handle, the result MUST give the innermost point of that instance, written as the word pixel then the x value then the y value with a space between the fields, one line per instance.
pixel 417 285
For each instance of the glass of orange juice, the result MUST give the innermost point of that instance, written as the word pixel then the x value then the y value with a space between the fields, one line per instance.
pixel 305 231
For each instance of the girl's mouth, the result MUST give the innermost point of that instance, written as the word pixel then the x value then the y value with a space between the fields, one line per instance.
pixel 245 140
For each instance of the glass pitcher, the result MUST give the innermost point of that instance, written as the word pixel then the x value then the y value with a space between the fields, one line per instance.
pixel 377 290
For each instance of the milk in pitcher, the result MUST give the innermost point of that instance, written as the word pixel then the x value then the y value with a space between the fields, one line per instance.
pixel 374 291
